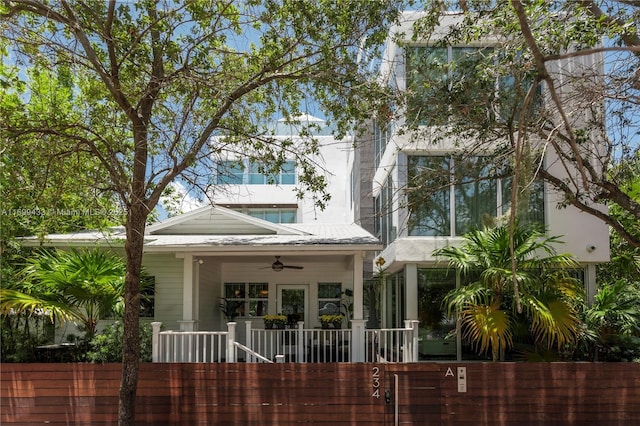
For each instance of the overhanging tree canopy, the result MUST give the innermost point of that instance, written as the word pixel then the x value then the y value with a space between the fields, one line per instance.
pixel 155 80
pixel 534 90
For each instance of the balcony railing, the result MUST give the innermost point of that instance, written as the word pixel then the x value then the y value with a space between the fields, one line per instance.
pixel 299 344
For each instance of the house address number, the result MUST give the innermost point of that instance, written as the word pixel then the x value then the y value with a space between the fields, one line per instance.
pixel 375 382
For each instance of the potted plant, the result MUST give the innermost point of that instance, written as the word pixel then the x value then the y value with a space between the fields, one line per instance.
pixel 231 308
pixel 275 321
pixel 331 321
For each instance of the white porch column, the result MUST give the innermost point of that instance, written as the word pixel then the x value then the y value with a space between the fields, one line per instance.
pixel 411 290
pixel 189 294
pixel 358 341
pixel 358 292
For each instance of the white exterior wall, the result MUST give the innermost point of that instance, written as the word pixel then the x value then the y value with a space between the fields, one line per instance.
pixel 168 271
pixel 333 158
pixel 580 232
pixel 210 293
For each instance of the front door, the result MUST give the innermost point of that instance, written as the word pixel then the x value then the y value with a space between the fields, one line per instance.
pixel 293 301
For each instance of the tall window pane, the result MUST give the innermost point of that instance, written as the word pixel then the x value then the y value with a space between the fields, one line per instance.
pixel 288 217
pixel 329 298
pixel 288 173
pixel 475 194
pixel 530 205
pixel 256 177
pixel 435 331
pixel 426 69
pixel 428 196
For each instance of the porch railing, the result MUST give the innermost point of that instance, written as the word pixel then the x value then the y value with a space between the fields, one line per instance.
pixel 298 344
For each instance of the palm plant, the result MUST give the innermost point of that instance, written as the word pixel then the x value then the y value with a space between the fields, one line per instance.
pixel 500 297
pixel 614 318
pixel 73 285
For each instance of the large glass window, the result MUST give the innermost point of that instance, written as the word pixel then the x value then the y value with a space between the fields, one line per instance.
pixel 448 82
pixel 381 135
pixel 428 195
pixel 436 333
pixel 452 74
pixel 479 194
pixel 237 172
pixel 530 205
pixel 475 194
pixel 424 66
pixel 247 299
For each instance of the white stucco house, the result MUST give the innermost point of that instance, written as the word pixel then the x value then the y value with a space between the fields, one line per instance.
pixel 411 229
pixel 239 186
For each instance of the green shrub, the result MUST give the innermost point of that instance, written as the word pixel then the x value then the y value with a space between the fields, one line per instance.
pixel 20 335
pixel 107 346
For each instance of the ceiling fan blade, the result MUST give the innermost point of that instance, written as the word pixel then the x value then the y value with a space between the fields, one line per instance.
pixel 293 267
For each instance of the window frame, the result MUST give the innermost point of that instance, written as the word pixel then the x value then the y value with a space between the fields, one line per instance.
pixel 322 301
pixel 246 298
pixel 498 203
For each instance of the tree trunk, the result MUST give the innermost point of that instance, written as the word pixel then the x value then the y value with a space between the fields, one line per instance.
pixel 131 340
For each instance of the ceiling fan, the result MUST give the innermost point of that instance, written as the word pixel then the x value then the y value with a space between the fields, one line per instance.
pixel 279 266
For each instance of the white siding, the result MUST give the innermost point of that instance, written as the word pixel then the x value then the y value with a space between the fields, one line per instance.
pixel 210 293
pixel 168 272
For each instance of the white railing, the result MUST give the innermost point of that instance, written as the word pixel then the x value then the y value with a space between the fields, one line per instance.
pixel 303 345
pixel 356 344
pixel 255 356
pixel 193 346
pixel 392 344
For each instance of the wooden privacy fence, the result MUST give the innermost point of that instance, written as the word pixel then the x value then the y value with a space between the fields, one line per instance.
pixel 327 393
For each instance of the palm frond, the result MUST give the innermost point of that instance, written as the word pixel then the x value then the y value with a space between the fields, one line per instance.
pixel 487 327
pixel 18 303
pixel 553 323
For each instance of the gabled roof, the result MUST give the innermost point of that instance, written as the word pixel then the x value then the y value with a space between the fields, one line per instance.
pixel 215 228
pixel 217 220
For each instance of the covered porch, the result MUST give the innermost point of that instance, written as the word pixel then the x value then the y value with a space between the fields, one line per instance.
pixel 296 344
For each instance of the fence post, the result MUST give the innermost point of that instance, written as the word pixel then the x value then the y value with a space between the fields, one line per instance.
pixel 155 341
pixel 300 343
pixel 231 342
pixel 414 341
pixel 358 341
pixel 249 340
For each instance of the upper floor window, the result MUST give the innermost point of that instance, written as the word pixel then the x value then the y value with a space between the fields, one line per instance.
pixel 443 82
pixel 274 215
pixel 384 227
pixel 381 135
pixel 450 196
pixel 230 172
pixel 238 172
